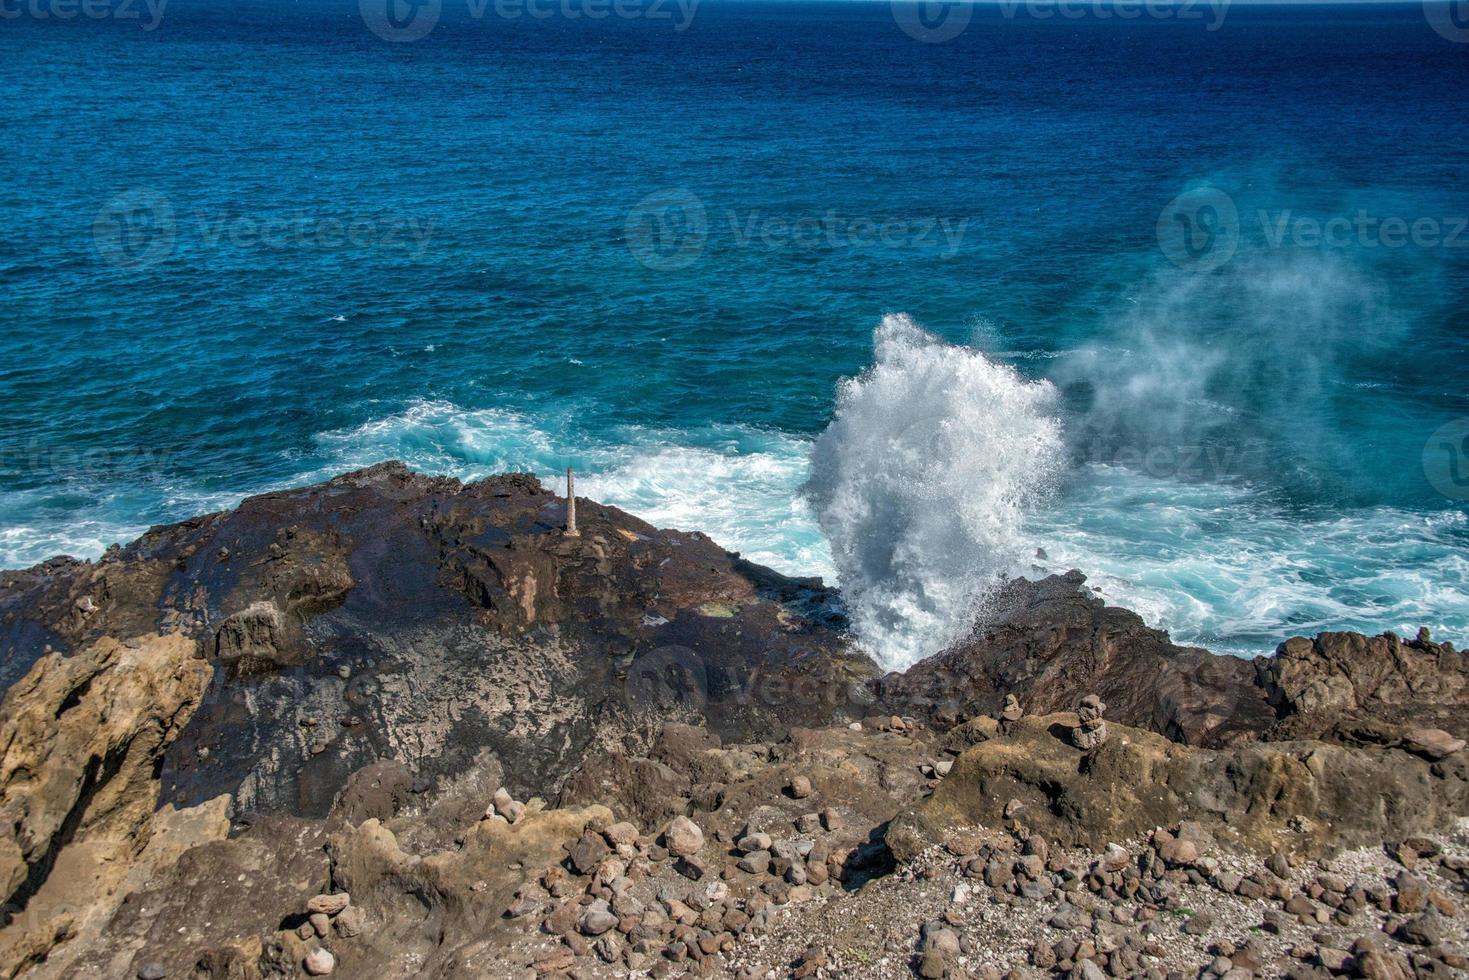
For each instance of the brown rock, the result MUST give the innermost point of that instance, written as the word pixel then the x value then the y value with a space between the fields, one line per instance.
pixel 1432 743
pixel 319 962
pixel 1130 785
pixel 1412 893
pixel 588 852
pixel 83 737
pixel 329 904
pixel 683 837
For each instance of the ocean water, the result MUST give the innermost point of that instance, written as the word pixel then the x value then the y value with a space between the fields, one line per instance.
pixel 909 302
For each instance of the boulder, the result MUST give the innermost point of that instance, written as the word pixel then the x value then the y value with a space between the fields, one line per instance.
pixel 683 837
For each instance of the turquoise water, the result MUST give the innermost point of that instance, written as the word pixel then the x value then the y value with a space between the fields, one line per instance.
pixel 258 244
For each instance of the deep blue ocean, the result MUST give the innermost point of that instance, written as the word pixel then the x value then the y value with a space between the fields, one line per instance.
pixel 1180 299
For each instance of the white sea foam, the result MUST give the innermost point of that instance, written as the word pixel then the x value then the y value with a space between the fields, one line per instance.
pixel 739 485
pixel 1227 567
pixel 932 482
pixel 922 484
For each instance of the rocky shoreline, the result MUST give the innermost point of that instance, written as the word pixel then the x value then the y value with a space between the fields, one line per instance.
pixel 395 725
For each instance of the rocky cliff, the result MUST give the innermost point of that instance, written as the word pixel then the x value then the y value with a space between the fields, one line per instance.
pixel 426 695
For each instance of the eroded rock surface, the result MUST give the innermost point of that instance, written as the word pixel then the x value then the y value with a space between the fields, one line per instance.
pixel 386 615
pixel 330 751
pixel 82 738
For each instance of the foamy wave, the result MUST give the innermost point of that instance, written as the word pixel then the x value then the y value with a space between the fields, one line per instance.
pixel 1226 567
pixel 36 525
pixel 922 484
pixel 738 485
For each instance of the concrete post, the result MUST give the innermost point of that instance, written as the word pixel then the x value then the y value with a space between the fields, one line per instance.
pixel 571 531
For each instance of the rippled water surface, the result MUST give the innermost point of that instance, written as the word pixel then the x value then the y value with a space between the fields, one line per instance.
pixel 258 244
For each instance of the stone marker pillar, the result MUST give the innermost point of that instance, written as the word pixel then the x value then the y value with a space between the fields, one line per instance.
pixel 571 531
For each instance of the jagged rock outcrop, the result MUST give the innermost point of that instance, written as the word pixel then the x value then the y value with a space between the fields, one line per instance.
pixel 82 737
pixel 1347 681
pixel 1052 642
pixel 387 615
pixel 1303 796
pixel 372 686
